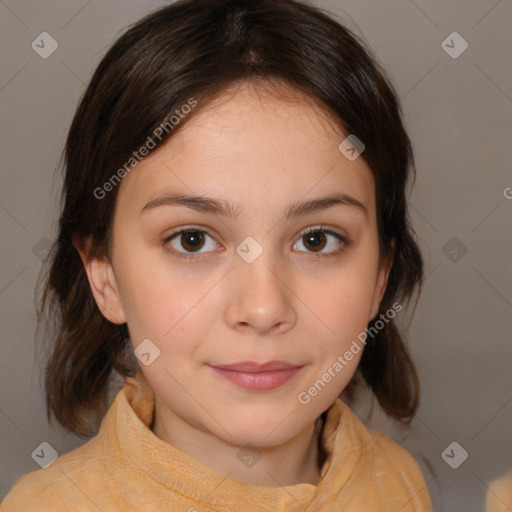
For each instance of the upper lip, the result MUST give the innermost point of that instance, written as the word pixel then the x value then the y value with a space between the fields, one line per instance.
pixel 254 367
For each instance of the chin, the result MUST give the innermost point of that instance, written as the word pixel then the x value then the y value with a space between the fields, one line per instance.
pixel 260 430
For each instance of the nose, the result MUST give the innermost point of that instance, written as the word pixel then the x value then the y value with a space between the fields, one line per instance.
pixel 260 297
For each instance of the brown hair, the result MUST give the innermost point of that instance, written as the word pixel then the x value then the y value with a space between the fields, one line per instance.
pixel 197 48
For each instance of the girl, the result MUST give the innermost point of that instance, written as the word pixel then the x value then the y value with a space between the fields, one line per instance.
pixel 234 242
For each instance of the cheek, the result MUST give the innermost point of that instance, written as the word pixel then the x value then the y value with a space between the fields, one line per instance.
pixel 153 301
pixel 341 301
pixel 166 306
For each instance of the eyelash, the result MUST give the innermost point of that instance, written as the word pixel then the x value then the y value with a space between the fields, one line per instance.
pixel 197 256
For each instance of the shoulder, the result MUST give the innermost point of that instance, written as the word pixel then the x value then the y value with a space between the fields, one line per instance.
pixel 55 487
pixel 74 479
pixel 381 447
pixel 499 494
pixel 32 492
pixel 392 455
pixel 398 473
pixel 393 472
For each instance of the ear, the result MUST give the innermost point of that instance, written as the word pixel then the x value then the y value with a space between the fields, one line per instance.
pixel 103 285
pixel 382 280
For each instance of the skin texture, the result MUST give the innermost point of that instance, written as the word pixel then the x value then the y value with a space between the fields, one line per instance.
pixel 293 303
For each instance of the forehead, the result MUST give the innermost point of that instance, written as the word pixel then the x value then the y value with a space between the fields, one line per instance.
pixel 252 143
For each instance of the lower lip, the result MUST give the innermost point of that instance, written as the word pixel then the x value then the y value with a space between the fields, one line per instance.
pixel 258 381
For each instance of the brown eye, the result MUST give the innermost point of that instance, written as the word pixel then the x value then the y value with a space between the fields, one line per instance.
pixel 192 240
pixel 189 243
pixel 321 241
pixel 314 241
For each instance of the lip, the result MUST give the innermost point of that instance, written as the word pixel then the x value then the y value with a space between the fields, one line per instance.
pixel 254 366
pixel 258 376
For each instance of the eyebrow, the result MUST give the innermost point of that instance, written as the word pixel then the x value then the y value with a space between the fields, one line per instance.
pixel 223 207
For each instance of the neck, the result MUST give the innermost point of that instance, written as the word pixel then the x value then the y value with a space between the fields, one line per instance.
pixel 297 461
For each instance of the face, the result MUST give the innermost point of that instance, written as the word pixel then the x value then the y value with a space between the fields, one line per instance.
pixel 255 278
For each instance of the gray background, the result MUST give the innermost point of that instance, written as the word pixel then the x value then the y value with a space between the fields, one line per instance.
pixel 459 113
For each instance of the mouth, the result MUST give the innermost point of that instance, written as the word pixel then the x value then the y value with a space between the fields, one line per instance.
pixel 258 376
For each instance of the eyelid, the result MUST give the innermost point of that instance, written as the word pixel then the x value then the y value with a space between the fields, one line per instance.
pixel 190 227
pixel 321 227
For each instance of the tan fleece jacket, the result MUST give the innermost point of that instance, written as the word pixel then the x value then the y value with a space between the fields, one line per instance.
pixel 127 468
